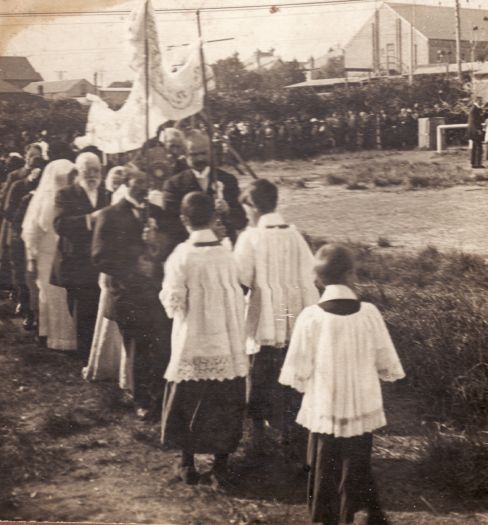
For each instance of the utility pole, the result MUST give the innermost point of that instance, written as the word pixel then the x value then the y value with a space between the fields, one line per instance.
pixel 458 40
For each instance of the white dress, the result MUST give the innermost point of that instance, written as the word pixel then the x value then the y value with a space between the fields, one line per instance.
pixel 202 293
pixel 55 321
pixel 276 264
pixel 337 362
pixel 108 360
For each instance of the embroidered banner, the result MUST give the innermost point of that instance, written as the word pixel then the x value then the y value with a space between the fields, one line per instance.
pixel 173 95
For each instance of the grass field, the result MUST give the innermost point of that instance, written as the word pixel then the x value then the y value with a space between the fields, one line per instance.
pixel 72 451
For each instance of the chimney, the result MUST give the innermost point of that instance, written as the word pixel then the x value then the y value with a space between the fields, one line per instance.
pixel 40 90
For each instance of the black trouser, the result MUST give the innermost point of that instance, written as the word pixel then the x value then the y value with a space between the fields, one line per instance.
pixel 476 153
pixel 268 399
pixel 83 307
pixel 17 256
pixel 341 480
pixel 150 337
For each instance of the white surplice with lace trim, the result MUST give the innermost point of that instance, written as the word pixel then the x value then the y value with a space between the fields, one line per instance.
pixel 202 293
pixel 337 362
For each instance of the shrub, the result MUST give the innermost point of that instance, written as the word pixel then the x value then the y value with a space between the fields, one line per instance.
pixel 457 462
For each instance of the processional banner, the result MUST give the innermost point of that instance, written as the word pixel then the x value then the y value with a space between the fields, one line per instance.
pixel 172 95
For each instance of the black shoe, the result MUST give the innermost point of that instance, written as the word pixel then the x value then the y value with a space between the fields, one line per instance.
pixel 188 475
pixel 29 322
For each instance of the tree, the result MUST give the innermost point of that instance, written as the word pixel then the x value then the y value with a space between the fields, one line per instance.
pixel 334 68
pixel 283 74
pixel 231 75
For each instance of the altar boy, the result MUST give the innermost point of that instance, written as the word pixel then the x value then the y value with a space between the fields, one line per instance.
pixel 275 264
pixel 204 401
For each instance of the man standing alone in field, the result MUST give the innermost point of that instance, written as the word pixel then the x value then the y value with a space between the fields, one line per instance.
pixel 475 132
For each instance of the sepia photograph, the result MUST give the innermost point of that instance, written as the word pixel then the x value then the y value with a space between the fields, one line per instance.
pixel 244 262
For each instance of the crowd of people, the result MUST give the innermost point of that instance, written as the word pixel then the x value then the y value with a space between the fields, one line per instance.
pixel 352 130
pixel 264 139
pixel 205 305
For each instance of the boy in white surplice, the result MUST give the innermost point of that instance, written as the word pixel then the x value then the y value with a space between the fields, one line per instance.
pixel 339 351
pixel 204 401
pixel 276 264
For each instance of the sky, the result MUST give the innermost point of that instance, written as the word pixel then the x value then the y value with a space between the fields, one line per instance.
pixel 77 46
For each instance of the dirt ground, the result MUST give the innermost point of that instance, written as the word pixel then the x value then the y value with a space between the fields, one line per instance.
pixel 72 451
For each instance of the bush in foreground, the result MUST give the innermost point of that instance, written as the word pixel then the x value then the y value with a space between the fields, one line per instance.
pixel 457 462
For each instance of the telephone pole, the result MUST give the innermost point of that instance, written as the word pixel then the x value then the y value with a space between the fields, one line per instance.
pixel 458 40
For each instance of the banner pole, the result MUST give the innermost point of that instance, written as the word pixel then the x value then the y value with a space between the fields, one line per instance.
pixel 213 176
pixel 146 67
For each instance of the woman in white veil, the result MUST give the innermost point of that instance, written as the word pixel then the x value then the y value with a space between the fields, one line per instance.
pixel 41 241
pixel 107 359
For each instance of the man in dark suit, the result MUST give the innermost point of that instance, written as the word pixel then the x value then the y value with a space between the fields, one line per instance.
pixel 77 207
pixel 475 132
pixel 222 186
pixel 132 239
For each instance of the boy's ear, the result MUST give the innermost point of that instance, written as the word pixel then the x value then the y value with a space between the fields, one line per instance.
pixel 184 220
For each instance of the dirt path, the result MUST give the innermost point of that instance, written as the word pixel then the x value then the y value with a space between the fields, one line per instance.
pixel 72 451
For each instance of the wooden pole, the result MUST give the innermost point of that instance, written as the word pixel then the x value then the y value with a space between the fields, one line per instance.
pixel 412 48
pixel 458 40
pixel 213 176
pixel 146 69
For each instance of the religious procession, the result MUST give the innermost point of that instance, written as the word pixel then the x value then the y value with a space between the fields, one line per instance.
pixel 135 257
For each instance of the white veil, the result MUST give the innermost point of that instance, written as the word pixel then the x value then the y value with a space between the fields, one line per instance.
pixel 40 212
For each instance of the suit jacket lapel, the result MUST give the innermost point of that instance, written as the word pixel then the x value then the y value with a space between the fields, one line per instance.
pixel 101 198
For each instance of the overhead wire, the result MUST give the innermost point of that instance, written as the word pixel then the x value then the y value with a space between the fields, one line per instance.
pixel 288 5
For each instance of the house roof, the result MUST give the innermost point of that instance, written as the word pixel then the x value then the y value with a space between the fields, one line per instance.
pixel 17 68
pixel 441 69
pixel 438 22
pixel 322 82
pixel 7 87
pixel 54 86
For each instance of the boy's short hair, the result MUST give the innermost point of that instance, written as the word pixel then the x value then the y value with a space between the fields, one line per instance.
pixel 334 262
pixel 198 208
pixel 262 194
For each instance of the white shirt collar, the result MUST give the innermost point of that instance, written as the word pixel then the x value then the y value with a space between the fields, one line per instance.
pixel 202 175
pixel 270 219
pixel 337 291
pixel 202 236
